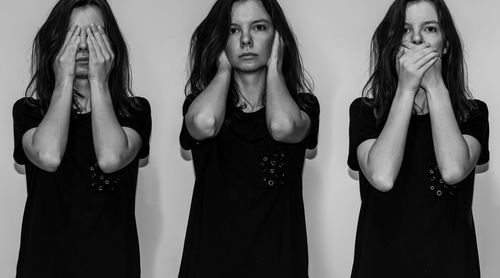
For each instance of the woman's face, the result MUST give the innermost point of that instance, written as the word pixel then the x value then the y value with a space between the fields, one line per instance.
pixel 422 25
pixel 251 36
pixel 83 17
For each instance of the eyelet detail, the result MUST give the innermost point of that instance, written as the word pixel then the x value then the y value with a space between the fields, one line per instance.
pixel 272 166
pixel 438 187
pixel 100 182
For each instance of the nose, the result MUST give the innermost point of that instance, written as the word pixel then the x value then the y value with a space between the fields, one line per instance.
pixel 246 39
pixel 417 38
pixel 82 45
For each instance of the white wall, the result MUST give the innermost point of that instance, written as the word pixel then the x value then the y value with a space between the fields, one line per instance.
pixel 334 38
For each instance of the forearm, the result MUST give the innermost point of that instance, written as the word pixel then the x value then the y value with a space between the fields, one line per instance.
pixel 207 111
pixel 452 152
pixel 111 143
pixel 285 121
pixel 48 142
pixel 384 158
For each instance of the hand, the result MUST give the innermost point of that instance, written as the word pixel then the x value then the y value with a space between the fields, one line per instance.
pixel 65 61
pixel 223 62
pixel 433 76
pixel 101 56
pixel 412 62
pixel 276 59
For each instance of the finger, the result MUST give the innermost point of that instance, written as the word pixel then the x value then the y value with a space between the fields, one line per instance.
pixel 68 51
pixel 100 41
pixel 409 45
pixel 428 64
pixel 92 51
pixel 422 53
pixel 95 45
pixel 74 47
pixel 400 53
pixel 106 40
pixel 69 36
pixel 422 62
pixel 276 42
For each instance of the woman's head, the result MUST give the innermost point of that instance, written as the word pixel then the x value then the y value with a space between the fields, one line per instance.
pixel 50 39
pixel 251 36
pixel 242 27
pixel 417 21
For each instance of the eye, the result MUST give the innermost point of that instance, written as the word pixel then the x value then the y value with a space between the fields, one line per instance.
pixel 406 30
pixel 260 27
pixel 431 29
pixel 233 30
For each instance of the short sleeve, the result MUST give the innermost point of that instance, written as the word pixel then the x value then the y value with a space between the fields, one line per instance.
pixel 477 126
pixel 140 121
pixel 186 140
pixel 310 105
pixel 362 126
pixel 27 115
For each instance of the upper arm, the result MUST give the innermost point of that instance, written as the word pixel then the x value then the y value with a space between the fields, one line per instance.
pixel 362 153
pixel 474 150
pixel 28 148
pixel 134 143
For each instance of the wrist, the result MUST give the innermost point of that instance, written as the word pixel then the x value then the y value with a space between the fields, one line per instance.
pixel 435 87
pixel 65 82
pixel 409 93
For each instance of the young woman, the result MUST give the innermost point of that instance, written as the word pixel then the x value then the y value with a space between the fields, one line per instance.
pixel 248 118
pixel 417 140
pixel 80 133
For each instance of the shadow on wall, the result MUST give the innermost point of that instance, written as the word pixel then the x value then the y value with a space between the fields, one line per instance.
pixel 485 209
pixel 149 217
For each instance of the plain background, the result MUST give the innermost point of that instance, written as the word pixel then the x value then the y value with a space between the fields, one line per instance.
pixel 334 39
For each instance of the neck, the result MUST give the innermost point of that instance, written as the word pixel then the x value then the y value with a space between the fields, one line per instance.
pixel 420 104
pixel 252 87
pixel 82 86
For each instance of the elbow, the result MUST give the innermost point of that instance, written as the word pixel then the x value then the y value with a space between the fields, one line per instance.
pixel 205 126
pixel 382 183
pixel 109 163
pixel 49 162
pixel 281 130
pixel 453 175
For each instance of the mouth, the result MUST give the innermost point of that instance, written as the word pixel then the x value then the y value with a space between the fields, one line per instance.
pixel 82 60
pixel 248 55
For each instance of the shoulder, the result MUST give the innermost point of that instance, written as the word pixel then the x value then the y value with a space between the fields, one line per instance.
pixel 361 104
pixel 25 105
pixel 308 102
pixel 141 101
pixel 479 109
pixel 139 106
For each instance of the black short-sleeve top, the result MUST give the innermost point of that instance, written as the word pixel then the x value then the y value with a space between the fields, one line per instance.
pixel 78 221
pixel 247 214
pixel 423 227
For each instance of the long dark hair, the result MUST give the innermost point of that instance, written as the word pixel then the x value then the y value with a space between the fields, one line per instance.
pixel 210 39
pixel 382 84
pixel 50 39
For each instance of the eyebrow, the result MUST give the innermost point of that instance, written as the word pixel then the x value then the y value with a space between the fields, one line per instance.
pixel 255 21
pixel 426 22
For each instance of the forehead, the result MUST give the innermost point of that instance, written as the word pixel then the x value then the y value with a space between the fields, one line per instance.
pixel 83 16
pixel 420 11
pixel 248 11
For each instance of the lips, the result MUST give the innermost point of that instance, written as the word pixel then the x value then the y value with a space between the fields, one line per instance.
pixel 82 59
pixel 248 55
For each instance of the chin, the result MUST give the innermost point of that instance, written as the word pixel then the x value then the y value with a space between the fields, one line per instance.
pixel 250 68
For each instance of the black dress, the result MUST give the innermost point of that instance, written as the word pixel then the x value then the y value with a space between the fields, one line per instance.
pixel 247 213
pixel 422 227
pixel 79 222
